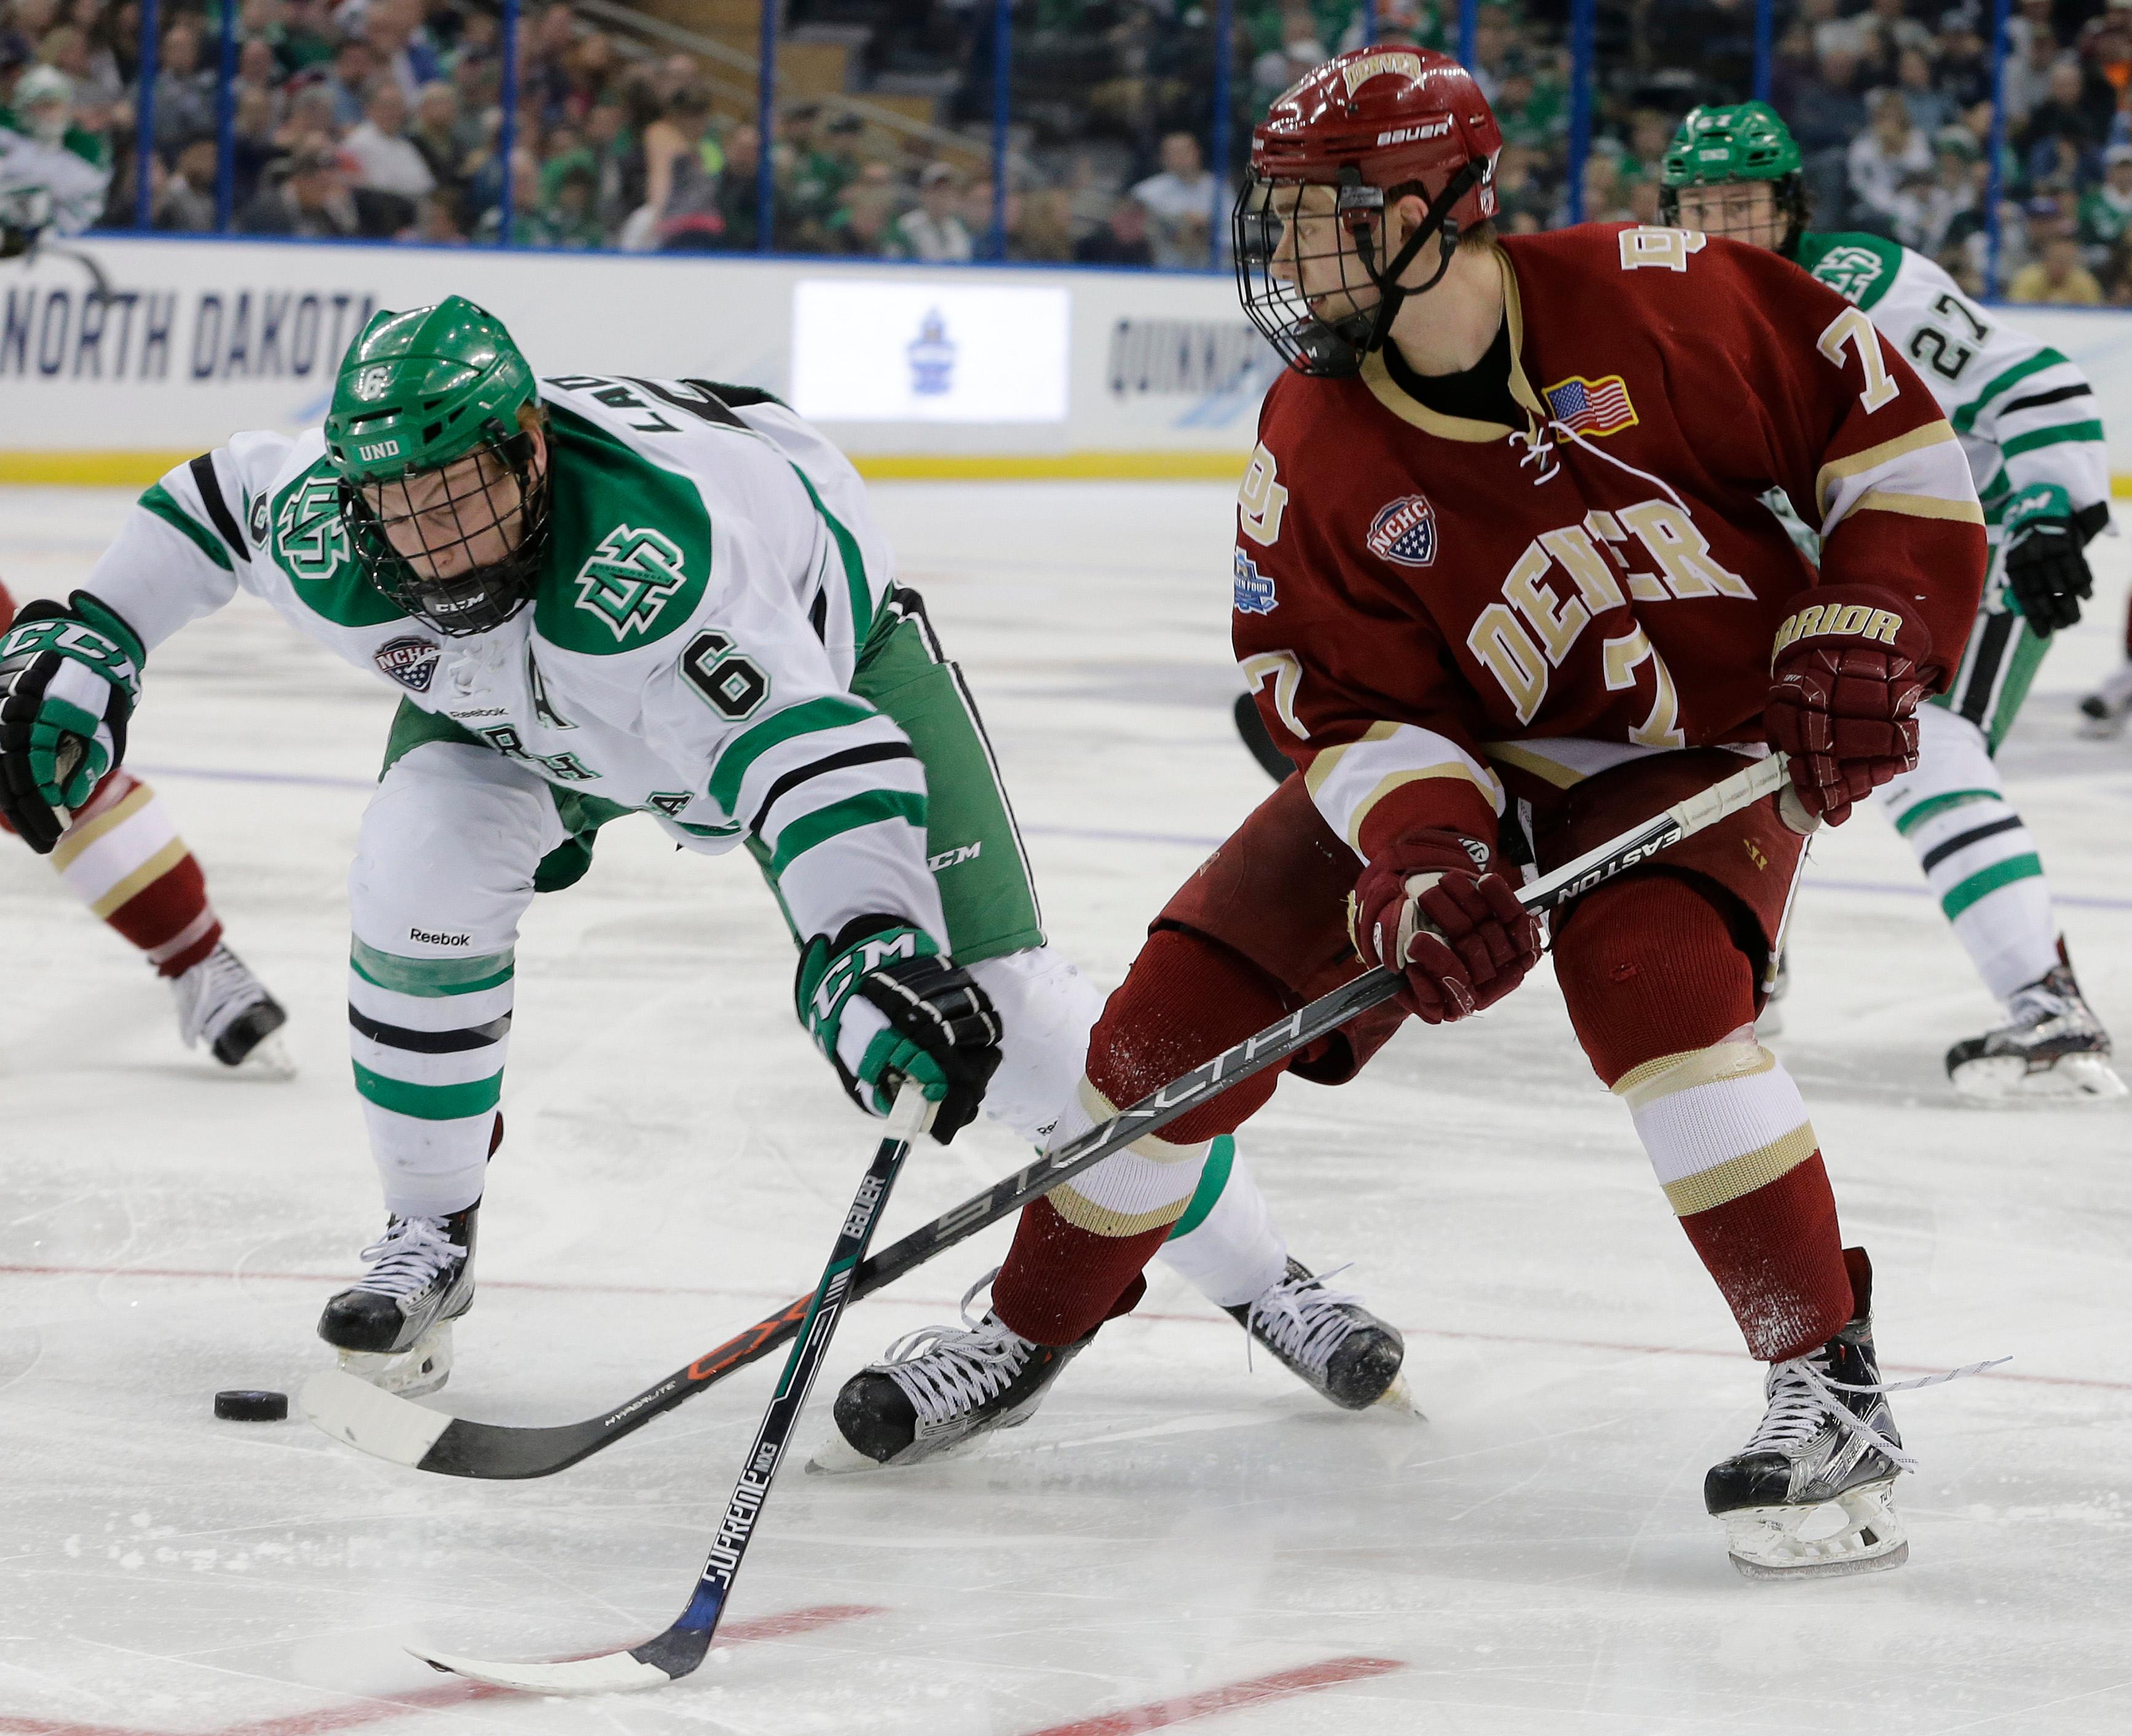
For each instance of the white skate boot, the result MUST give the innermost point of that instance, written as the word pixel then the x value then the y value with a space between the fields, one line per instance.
pixel 1329 1339
pixel 393 1326
pixel 222 1004
pixel 2051 1048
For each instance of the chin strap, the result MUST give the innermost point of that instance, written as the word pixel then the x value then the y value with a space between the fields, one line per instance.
pixel 1435 221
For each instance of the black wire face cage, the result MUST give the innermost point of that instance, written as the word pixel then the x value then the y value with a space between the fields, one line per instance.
pixel 1794 205
pixel 1359 293
pixel 472 599
pixel 1273 300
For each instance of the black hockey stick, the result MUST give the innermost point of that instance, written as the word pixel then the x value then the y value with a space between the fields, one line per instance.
pixel 388 1426
pixel 678 1650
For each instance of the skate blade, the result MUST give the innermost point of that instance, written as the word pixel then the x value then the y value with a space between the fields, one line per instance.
pixel 837 1457
pixel 1398 1398
pixel 420 1368
pixel 2001 1081
pixel 270 1059
pixel 1798 1542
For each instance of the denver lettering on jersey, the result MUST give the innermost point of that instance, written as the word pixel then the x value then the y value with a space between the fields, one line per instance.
pixel 1535 627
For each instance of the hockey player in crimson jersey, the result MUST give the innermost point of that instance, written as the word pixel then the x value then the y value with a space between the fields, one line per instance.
pixel 123 859
pixel 2027 419
pixel 528 564
pixel 1504 586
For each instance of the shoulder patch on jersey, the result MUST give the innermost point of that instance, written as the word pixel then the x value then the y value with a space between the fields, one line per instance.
pixel 410 662
pixel 1404 531
pixel 630 554
pixel 1254 591
pixel 1858 267
pixel 311 544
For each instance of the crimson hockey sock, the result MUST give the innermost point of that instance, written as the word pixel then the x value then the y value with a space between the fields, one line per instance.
pixel 1663 1000
pixel 124 860
pixel 1077 1253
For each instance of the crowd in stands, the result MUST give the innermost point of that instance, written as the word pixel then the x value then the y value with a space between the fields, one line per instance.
pixel 383 119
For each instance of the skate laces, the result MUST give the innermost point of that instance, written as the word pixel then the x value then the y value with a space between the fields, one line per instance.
pixel 1801 1398
pixel 942 1371
pixel 212 992
pixel 408 1257
pixel 1303 1317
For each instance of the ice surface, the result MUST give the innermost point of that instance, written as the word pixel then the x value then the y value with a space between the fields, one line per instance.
pixel 1173 1531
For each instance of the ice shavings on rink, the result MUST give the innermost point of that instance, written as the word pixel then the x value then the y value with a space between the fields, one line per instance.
pixel 1174 1540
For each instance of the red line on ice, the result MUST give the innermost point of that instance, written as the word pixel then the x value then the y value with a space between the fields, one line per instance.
pixel 376 1708
pixel 1260 1691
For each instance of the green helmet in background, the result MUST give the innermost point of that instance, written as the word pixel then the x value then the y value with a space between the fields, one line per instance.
pixel 1723 146
pixel 419 392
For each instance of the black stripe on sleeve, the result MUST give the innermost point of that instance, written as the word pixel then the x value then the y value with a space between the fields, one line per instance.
pixel 2082 391
pixel 869 754
pixel 1940 853
pixel 217 509
pixel 430 1043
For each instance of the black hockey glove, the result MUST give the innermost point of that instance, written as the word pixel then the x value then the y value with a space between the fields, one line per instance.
pixel 15 243
pixel 2046 567
pixel 69 678
pixel 925 1019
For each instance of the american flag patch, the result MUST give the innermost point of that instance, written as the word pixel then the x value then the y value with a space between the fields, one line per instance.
pixel 1591 406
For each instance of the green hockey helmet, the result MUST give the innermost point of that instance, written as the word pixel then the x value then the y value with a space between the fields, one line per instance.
pixel 432 434
pixel 1741 143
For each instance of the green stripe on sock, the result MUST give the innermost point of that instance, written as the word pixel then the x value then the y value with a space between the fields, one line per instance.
pixel 1213 1177
pixel 2020 443
pixel 1986 882
pixel 159 500
pixel 430 976
pixel 429 1102
pixel 1917 816
pixel 828 711
pixel 848 815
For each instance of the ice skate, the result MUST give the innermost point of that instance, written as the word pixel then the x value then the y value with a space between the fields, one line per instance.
pixel 938 1388
pixel 1811 1493
pixel 1329 1339
pixel 2103 712
pixel 393 1326
pixel 221 1003
pixel 2051 1048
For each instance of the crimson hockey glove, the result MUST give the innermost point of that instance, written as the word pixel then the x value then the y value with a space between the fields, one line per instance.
pixel 883 1005
pixel 1427 907
pixel 1848 673
pixel 69 678
pixel 2046 565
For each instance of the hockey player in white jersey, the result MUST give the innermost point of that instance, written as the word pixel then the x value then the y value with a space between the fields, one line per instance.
pixel 598 596
pixel 54 176
pixel 2029 422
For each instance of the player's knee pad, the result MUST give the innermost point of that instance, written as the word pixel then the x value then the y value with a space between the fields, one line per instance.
pixel 446 854
pixel 1651 965
pixel 1186 998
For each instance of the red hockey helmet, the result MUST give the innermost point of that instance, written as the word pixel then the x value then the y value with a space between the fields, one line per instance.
pixel 1373 125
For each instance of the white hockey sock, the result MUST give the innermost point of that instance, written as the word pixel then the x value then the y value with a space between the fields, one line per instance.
pixel 1225 1242
pixel 428 1037
pixel 1981 862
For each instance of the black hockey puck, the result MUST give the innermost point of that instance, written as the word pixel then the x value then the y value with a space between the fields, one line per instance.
pixel 238 1405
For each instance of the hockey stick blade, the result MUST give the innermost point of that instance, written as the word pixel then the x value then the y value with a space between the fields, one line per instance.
pixel 389 1426
pixel 683 1645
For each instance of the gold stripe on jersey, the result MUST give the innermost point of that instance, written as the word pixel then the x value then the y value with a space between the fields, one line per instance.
pixel 1728 1181
pixel 1348 781
pixel 1888 452
pixel 1919 505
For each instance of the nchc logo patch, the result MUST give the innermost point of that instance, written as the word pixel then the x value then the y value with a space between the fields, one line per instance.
pixel 1253 588
pixel 410 662
pixel 1404 532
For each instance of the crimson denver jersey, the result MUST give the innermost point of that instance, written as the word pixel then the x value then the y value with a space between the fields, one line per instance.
pixel 1427 606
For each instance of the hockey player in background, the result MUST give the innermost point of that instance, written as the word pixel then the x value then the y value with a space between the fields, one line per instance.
pixel 122 858
pixel 1504 588
pixel 533 573
pixel 2028 422
pixel 53 175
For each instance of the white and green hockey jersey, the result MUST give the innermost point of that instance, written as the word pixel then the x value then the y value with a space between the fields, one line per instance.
pixel 58 186
pixel 2025 413
pixel 711 574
